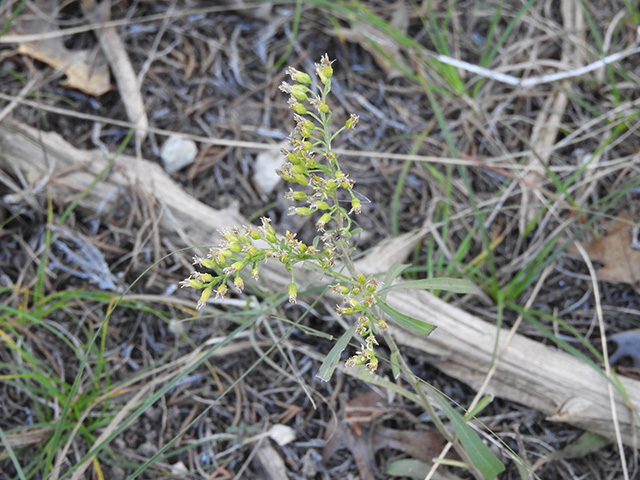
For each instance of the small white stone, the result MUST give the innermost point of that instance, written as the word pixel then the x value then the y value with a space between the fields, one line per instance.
pixel 177 152
pixel 179 468
pixel 264 170
pixel 282 434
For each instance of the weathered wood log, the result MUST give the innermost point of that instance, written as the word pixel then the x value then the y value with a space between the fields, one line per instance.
pixel 549 380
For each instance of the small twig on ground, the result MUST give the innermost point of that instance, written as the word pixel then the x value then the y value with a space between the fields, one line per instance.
pixel 533 81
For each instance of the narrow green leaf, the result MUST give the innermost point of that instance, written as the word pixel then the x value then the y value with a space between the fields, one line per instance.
pixel 394 272
pixel 419 326
pixel 479 454
pixel 585 444
pixel 333 358
pixel 482 404
pixel 395 363
pixel 11 454
pixel 408 467
pixel 454 285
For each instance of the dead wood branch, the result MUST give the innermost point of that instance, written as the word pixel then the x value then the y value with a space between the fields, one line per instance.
pixel 551 381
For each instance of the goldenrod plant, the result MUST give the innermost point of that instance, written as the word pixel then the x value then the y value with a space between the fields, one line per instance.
pixel 323 189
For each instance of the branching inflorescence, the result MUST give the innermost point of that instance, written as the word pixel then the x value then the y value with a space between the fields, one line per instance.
pixel 311 164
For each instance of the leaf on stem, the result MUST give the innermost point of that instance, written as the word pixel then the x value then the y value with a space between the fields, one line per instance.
pixel 333 358
pixel 453 285
pixel 415 325
pixel 479 454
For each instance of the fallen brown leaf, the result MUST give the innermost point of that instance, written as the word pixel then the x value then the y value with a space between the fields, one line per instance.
pixel 621 263
pixel 357 431
pixel 86 70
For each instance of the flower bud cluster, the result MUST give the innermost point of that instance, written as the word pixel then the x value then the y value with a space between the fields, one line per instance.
pixel 313 167
pixel 239 252
pixel 310 161
pixel 360 297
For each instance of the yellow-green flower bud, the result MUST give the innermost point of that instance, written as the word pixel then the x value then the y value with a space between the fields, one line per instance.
pixel 238 283
pixel 324 219
pixel 301 179
pixel 297 160
pixel 347 183
pixel 355 304
pixel 254 273
pixel 197 284
pixel 304 211
pixel 222 291
pixel 352 121
pixel 356 205
pixel 341 289
pixel 293 293
pixel 299 108
pixel 307 145
pixel 355 291
pixel 209 263
pixel 325 74
pixel 243 239
pixel 238 266
pixel 305 132
pixel 311 162
pixel 300 92
pixel 373 364
pixel 324 69
pixel 235 246
pixel 322 205
pixel 298 76
pixel 204 296
pixel 299 169
pixel 270 234
pixel 300 196
pixel 291 156
pixel 206 277
pixel 226 253
pixel 345 311
pixel 324 108
pixel 362 280
pixel 254 234
pixel 331 185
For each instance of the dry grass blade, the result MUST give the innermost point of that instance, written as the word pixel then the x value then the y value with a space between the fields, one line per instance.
pixel 126 78
pixel 607 366
pixel 26 437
